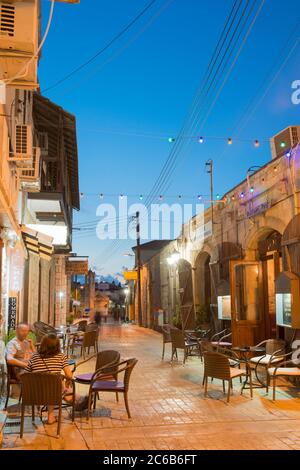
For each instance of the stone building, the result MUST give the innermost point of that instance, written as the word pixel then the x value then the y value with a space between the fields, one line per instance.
pixel 233 268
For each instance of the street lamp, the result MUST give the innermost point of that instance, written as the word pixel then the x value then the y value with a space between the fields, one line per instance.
pixel 173 258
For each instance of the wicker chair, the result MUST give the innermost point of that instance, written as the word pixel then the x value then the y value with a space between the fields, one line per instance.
pixel 217 366
pixel 104 359
pixel 11 379
pixel 166 332
pixel 222 339
pixel 88 341
pixel 92 327
pixel 42 329
pixel 282 371
pixel 101 383
pixel 180 341
pixel 82 325
pixel 275 354
pixel 40 389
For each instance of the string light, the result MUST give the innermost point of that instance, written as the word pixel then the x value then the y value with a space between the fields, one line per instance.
pixel 141 197
pixel 229 141
pixel 252 190
pixel 282 145
pixel 288 154
pixel 199 198
pixel 218 196
pixel 171 140
pixel 201 140
pixel 101 196
pixel 257 143
pixel 242 195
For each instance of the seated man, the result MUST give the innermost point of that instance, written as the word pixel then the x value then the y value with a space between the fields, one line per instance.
pixel 20 349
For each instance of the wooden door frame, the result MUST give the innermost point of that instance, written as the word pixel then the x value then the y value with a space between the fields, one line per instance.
pixel 250 324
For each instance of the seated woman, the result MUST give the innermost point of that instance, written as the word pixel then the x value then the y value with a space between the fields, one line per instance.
pixel 50 359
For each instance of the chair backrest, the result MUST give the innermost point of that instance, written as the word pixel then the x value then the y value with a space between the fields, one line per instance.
pixel 220 334
pixel 216 366
pixel 273 345
pixel 41 389
pixel 206 346
pixel 91 327
pixel 90 338
pixel 177 338
pixel 82 325
pixel 130 364
pixel 166 333
pixel 107 357
pixel 42 329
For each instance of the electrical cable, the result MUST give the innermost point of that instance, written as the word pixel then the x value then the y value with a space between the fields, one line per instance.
pixel 103 49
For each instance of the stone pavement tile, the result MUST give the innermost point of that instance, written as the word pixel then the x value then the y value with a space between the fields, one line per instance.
pixel 169 410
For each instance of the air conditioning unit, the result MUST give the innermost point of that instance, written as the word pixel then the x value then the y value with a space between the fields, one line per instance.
pixel 19 38
pixel 283 142
pixel 29 177
pixel 22 144
pixel 43 143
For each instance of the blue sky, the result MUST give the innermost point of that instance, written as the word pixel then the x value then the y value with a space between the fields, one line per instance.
pixel 147 87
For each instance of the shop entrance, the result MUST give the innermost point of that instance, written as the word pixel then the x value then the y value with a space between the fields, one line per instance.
pixel 270 255
pixel 252 285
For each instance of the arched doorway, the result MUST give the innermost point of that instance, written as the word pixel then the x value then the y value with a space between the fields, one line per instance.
pixel 186 296
pixel 270 255
pixel 252 285
pixel 202 280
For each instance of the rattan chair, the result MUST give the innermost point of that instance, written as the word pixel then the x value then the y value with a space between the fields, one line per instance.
pixel 40 389
pixel 82 325
pixel 222 339
pixel 281 370
pixel 12 378
pixel 101 383
pixel 42 329
pixel 166 335
pixel 180 341
pixel 87 341
pixel 217 366
pixel 275 354
pixel 108 359
pixel 92 327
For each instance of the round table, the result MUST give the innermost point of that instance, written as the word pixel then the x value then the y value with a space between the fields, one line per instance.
pixel 245 353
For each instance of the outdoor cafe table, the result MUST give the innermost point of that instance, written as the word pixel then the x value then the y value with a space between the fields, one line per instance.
pixel 66 333
pixel 245 353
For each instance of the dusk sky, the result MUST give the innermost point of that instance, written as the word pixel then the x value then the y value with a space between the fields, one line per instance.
pixel 141 88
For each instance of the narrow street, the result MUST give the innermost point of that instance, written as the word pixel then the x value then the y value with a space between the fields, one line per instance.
pixel 168 409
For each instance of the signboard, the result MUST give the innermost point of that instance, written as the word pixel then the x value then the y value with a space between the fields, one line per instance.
pixel 74 268
pixel 12 313
pixel 130 275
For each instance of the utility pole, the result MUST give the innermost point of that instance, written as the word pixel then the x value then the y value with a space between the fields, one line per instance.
pixel 139 265
pixel 209 166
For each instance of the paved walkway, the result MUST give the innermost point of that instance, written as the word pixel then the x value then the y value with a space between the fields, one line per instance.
pixel 169 410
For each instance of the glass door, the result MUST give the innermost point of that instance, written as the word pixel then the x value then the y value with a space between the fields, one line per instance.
pixel 247 307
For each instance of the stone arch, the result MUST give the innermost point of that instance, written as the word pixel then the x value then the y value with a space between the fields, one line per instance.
pixel 256 234
pixel 186 294
pixel 202 279
pixel 291 246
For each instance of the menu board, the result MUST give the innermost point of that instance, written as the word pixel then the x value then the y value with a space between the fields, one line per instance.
pixel 12 313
